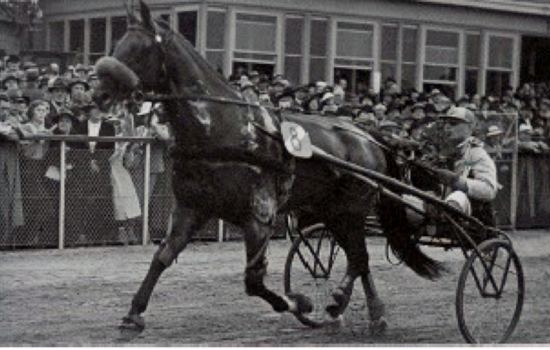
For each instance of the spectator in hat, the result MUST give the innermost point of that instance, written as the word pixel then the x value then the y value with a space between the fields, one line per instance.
pixel 32 88
pixel 81 72
pixel 526 115
pixel 79 94
pixel 126 201
pixel 52 162
pixel 161 132
pixel 417 111
pixel 300 95
pixel 265 99
pixel 21 106
pixel 380 111
pixel 10 82
pixel 526 143
pixel 11 205
pixel 339 91
pixel 494 141
pixel 278 87
pixel 312 104
pixel 248 91
pixel 441 103
pixel 328 104
pixel 366 118
pixel 59 96
pixel 92 172
pixel 263 84
pixel 13 64
pixel 389 127
pixel 254 78
pixel 93 81
pixel 286 101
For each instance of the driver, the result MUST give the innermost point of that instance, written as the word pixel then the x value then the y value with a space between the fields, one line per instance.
pixel 473 178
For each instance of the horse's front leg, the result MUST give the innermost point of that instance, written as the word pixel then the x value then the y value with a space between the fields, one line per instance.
pixel 257 232
pixel 185 222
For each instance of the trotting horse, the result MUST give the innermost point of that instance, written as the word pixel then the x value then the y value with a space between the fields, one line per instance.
pixel 230 162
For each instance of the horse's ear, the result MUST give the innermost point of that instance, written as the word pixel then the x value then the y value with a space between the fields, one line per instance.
pixel 130 16
pixel 146 16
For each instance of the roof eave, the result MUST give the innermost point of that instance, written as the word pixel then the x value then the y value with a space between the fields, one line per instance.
pixel 494 5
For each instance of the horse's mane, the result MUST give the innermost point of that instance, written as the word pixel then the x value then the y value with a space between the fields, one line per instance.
pixel 202 77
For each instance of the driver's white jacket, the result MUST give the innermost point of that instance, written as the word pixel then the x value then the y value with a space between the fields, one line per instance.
pixel 478 171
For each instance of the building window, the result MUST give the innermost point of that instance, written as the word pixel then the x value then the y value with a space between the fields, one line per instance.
pixel 57 36
pixel 187 25
pixel 388 59
pixel 255 43
pixel 353 59
pixel 76 41
pixel 473 42
pixel 441 61
pixel 97 38
pixel 500 63
pixel 118 29
pixel 294 27
pixel 409 57
pixel 215 38
pixel 318 49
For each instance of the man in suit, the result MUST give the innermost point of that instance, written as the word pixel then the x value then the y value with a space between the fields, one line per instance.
pixel 93 177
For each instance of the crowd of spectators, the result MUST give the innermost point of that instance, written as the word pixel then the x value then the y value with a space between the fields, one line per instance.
pixel 36 100
pixel 410 114
pixel 103 184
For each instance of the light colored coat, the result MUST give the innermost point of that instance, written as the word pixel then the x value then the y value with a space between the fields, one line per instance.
pixel 478 170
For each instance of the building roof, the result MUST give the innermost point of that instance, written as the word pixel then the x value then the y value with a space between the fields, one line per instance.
pixel 534 7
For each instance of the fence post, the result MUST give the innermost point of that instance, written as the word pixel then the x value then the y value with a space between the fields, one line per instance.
pixel 221 230
pixel 514 179
pixel 146 180
pixel 62 173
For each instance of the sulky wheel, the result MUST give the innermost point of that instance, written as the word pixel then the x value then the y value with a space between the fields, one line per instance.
pixel 490 293
pixel 314 266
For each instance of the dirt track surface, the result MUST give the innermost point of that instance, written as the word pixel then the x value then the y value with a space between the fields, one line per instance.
pixel 77 297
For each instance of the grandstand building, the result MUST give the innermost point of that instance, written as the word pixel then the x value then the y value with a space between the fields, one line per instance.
pixel 463 46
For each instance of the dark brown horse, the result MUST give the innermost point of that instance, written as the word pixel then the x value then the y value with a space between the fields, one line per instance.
pixel 230 162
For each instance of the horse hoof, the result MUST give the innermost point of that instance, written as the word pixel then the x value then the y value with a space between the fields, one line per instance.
pixel 303 303
pixel 333 310
pixel 378 327
pixel 132 323
pixel 340 296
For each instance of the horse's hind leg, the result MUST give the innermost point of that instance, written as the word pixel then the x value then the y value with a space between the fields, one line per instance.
pixel 349 233
pixel 184 222
pixel 376 307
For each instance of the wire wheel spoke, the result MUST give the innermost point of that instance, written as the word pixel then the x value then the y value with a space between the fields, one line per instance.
pixel 314 267
pixel 490 293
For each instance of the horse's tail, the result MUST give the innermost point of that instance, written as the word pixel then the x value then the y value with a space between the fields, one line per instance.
pixel 400 232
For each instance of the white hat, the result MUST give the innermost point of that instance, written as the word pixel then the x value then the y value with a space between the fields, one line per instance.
pixel 326 96
pixel 494 130
pixel 321 84
pixel 379 107
pixel 145 108
pixel 526 128
pixel 460 113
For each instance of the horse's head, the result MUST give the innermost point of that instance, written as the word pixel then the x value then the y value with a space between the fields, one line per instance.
pixel 137 63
